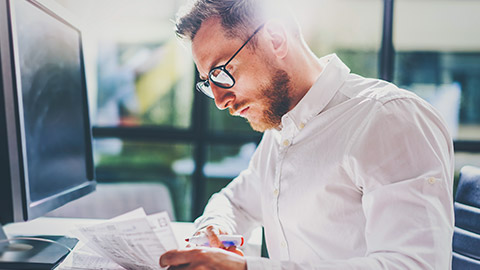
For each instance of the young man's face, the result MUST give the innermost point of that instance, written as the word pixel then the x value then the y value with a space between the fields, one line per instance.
pixel 261 90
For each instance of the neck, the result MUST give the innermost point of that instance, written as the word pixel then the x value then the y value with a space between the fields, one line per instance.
pixel 304 69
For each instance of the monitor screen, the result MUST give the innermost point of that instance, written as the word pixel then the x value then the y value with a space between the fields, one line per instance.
pixel 46 156
pixel 51 81
pixel 45 109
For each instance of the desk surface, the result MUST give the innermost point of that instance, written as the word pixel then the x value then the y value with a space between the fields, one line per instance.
pixel 62 226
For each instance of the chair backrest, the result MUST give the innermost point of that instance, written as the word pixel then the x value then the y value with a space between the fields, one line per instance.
pixel 466 236
pixel 110 200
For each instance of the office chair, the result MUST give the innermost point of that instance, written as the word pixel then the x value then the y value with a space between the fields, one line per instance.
pixel 113 199
pixel 466 235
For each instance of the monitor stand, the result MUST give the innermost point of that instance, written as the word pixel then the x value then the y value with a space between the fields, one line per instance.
pixel 34 254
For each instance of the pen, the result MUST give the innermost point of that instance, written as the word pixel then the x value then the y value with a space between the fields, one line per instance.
pixel 227 240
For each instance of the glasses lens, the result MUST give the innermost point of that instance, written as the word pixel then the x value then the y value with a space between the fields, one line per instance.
pixel 221 78
pixel 204 87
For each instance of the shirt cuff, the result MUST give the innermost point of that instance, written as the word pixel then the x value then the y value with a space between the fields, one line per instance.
pixel 258 263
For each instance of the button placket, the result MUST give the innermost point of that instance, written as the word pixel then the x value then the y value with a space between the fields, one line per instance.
pixel 284 249
pixel 287 132
pixel 286 139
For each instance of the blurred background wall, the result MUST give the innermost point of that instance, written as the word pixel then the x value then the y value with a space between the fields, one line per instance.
pixel 151 126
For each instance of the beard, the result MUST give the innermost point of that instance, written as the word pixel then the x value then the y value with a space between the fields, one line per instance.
pixel 275 98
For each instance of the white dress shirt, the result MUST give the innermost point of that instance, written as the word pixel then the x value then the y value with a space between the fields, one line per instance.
pixel 359 176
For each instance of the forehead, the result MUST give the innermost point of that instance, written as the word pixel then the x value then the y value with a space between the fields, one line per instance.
pixel 210 45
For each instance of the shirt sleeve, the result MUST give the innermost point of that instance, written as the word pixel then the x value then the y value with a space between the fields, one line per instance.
pixel 402 160
pixel 236 208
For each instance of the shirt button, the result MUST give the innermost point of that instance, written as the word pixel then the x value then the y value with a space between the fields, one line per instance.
pixel 432 180
pixel 286 142
pixel 283 244
pixel 275 192
pixel 301 126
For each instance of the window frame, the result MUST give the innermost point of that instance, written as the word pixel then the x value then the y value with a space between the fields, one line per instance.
pixel 201 137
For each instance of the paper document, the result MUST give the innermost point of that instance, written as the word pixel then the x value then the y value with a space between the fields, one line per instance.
pixel 130 241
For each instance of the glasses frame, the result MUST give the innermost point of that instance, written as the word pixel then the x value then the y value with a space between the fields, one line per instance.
pixel 203 86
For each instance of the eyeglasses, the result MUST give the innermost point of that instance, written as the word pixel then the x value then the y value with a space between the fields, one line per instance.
pixel 220 75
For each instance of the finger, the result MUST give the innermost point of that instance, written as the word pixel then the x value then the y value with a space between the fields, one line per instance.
pixel 204 229
pixel 234 250
pixel 176 257
pixel 213 229
pixel 231 248
pixel 213 238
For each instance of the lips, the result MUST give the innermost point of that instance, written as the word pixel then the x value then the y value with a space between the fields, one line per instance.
pixel 239 109
pixel 244 111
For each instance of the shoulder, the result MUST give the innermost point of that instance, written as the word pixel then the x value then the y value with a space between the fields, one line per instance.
pixel 378 96
pixel 357 87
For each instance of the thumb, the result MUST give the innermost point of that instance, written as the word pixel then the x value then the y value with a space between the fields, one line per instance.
pixel 235 250
pixel 213 238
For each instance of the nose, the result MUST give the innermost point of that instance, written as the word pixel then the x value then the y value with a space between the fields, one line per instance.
pixel 223 97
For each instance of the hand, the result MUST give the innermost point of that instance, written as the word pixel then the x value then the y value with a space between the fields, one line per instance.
pixel 212 235
pixel 202 258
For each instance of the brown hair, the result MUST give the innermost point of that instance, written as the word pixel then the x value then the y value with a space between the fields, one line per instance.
pixel 238 17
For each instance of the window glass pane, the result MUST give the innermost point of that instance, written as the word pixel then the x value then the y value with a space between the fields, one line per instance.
pixel 144 84
pixel 438 57
pixel 350 28
pixel 225 162
pixel 223 121
pixel 143 73
pixel 127 161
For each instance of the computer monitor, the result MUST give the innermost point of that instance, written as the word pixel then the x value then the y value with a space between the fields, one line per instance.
pixel 46 156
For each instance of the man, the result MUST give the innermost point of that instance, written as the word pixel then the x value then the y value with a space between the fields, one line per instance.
pixel 351 173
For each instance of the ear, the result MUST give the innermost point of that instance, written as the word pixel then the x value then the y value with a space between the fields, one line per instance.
pixel 277 38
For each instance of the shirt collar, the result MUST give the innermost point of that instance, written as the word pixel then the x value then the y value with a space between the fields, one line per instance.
pixel 333 75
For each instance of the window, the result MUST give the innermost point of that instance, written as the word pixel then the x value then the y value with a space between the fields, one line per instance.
pixel 144 83
pixel 151 125
pixel 438 57
pixel 119 160
pixel 141 94
pixel 350 28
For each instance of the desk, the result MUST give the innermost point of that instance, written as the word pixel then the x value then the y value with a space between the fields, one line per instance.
pixel 62 226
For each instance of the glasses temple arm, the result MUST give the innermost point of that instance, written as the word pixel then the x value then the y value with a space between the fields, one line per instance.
pixel 235 54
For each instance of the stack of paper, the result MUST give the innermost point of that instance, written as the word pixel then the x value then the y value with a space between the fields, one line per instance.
pixel 130 241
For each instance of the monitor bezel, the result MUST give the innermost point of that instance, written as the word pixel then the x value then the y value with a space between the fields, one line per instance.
pixel 15 123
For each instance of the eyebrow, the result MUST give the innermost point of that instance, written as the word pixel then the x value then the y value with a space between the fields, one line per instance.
pixel 215 64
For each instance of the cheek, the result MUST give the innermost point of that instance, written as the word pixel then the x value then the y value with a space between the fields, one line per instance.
pixel 250 86
pixel 252 75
